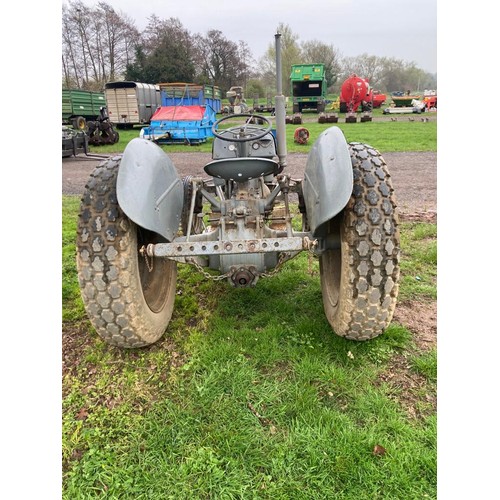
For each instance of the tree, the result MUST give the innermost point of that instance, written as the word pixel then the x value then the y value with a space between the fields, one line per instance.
pixel 221 61
pixel 315 51
pixel 97 44
pixel 246 62
pixel 253 87
pixel 290 54
pixel 365 66
pixel 164 54
pixel 115 40
pixel 388 74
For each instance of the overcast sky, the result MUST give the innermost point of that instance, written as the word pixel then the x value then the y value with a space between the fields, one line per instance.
pixel 402 29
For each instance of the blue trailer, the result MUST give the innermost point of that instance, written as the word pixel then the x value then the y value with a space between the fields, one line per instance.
pixel 190 94
pixel 180 124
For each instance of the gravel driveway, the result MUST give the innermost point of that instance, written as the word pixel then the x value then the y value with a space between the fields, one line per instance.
pixel 413 174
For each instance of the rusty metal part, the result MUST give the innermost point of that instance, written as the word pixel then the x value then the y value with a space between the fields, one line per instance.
pixel 301 135
pixel 243 276
pixel 233 247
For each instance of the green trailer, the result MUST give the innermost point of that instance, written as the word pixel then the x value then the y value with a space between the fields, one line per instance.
pixel 308 83
pixel 80 106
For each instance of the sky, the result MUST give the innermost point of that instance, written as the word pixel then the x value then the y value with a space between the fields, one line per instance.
pixel 401 29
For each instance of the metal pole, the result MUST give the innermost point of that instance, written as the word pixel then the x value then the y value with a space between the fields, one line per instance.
pixel 279 82
pixel 280 111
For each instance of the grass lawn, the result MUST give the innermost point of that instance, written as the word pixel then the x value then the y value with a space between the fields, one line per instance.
pixel 386 136
pixel 250 394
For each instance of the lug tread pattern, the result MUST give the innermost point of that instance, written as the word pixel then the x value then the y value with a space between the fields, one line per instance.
pixel 370 252
pixel 107 266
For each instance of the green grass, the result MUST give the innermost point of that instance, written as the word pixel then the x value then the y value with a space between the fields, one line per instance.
pixel 248 395
pixel 419 263
pixel 386 136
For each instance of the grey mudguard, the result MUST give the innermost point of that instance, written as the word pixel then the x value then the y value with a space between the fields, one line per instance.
pixel 328 178
pixel 148 188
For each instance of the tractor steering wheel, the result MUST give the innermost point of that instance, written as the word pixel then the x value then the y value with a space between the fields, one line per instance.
pixel 254 133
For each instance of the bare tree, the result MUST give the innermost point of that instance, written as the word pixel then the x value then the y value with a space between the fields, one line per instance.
pixel 246 62
pixel 96 44
pixel 220 61
pixel 315 52
pixel 387 73
pixel 365 66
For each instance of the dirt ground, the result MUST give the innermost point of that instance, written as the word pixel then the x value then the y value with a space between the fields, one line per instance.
pixel 413 175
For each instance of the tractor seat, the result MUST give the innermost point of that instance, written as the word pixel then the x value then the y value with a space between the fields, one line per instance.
pixel 241 169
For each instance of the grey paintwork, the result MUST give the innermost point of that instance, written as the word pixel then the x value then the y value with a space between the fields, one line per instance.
pixel 241 169
pixel 328 178
pixel 148 188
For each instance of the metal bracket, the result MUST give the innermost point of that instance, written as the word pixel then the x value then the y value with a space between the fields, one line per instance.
pixel 233 247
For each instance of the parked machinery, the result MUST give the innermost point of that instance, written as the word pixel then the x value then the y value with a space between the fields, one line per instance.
pixel 356 92
pixel 139 220
pixel 237 101
pixel 131 103
pixel 80 106
pixel 101 131
pixel 309 87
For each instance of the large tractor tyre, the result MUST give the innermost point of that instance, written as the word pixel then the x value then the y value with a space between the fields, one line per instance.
pixel 359 281
pixel 129 298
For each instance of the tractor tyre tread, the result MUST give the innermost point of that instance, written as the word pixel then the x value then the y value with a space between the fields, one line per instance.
pixel 369 255
pixel 108 267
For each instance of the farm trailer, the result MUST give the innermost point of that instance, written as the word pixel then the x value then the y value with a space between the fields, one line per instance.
pixel 308 83
pixel 131 103
pixel 79 106
pixel 190 94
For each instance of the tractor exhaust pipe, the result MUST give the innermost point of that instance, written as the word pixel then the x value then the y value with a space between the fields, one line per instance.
pixel 280 112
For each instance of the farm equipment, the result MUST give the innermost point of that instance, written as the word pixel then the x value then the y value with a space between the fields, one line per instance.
pixel 328 118
pixel 263 108
pixel 416 106
pixel 378 99
pixel 139 220
pixel 101 131
pixel 430 100
pixel 237 101
pixel 74 142
pixel 79 106
pixel 309 87
pixel 190 94
pixel 356 92
pixel 131 103
pixel 402 99
pixel 296 118
pixel 180 124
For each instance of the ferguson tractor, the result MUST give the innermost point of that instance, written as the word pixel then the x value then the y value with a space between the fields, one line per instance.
pixel 138 221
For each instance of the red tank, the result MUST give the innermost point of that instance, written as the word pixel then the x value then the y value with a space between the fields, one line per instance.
pixel 355 91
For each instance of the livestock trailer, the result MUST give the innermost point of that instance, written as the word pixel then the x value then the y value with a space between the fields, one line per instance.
pixel 78 106
pixel 131 103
